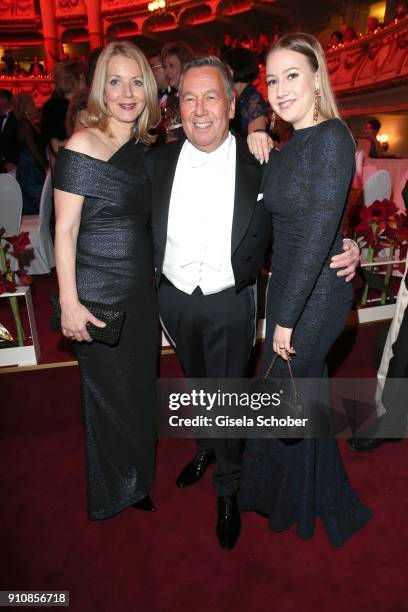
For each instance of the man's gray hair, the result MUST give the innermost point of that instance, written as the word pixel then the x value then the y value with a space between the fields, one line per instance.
pixel 213 62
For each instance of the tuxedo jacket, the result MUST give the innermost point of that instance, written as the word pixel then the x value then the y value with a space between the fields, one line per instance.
pixel 9 141
pixel 251 224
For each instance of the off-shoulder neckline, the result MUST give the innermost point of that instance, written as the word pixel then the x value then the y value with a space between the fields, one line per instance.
pixel 103 161
pixel 106 164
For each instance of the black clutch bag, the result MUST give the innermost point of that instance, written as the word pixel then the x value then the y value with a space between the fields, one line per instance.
pixel 113 317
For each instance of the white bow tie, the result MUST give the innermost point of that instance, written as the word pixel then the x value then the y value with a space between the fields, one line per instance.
pixel 200 158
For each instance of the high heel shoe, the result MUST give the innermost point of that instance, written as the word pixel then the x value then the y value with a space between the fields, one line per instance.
pixel 145 504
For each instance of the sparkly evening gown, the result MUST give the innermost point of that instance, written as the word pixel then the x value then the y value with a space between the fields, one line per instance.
pixel 305 190
pixel 115 266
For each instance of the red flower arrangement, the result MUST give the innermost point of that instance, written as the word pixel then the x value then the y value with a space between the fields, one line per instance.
pixel 379 226
pixel 19 242
pixel 8 284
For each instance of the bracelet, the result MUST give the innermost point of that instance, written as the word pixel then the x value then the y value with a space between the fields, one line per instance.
pixel 259 130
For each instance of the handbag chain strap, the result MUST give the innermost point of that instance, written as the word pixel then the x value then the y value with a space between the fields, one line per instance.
pixel 268 371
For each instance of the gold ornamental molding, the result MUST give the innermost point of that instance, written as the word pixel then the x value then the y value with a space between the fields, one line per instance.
pixel 17 9
pixel 40 88
pixel 372 62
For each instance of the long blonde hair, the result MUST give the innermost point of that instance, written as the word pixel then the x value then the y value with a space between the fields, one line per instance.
pixel 309 46
pixel 97 111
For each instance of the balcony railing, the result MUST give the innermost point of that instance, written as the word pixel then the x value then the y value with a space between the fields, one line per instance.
pixel 40 87
pixel 374 61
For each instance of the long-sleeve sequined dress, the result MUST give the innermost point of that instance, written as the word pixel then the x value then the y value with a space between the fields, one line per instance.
pixel 114 266
pixel 306 189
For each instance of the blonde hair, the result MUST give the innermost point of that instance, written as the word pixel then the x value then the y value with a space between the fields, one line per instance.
pixel 97 111
pixel 309 46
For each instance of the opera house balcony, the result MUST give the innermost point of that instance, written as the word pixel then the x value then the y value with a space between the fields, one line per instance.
pixel 371 73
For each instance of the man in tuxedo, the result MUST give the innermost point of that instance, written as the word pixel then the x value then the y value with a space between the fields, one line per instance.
pixel 8 133
pixel 210 232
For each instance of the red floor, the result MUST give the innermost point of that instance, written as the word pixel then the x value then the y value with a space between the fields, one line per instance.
pixel 170 560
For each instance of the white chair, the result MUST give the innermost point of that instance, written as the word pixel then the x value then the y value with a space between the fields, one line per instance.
pixel 11 204
pixel 377 187
pixel 368 170
pixel 38 227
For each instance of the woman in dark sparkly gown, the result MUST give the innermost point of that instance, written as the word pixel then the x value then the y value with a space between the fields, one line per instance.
pixel 306 188
pixel 104 254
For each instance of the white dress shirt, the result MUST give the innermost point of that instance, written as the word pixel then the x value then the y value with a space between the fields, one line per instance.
pixel 198 248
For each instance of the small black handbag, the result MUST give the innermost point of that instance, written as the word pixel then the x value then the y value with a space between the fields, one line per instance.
pixel 113 317
pixel 290 404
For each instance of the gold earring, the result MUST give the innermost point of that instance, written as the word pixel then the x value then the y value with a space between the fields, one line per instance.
pixel 316 110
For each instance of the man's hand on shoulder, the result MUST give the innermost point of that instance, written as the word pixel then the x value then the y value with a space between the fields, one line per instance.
pixel 347 262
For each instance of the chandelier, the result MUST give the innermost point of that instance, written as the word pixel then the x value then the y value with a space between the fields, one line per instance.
pixel 156 5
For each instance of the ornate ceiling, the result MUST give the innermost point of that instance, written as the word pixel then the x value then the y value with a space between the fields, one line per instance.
pixel 24 22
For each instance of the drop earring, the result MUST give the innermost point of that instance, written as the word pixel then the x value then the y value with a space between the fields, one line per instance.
pixel 273 119
pixel 316 110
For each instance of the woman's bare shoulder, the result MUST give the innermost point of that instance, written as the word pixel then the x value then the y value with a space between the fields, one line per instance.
pixel 88 141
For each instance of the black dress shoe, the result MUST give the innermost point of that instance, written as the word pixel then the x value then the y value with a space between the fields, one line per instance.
pixel 369 444
pixel 228 521
pixel 145 504
pixel 195 470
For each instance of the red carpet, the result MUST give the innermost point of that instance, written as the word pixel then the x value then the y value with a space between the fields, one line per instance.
pixel 170 560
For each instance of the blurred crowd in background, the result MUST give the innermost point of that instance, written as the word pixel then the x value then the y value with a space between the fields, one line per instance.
pixel 30 137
